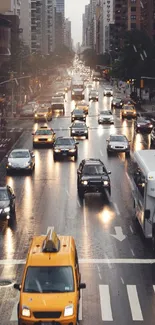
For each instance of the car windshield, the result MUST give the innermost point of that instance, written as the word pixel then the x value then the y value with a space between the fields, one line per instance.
pixel 49 279
pixel 44 132
pixel 19 154
pixel 105 113
pixel 118 138
pixel 3 195
pixel 142 119
pixel 117 99
pixel 78 112
pixel 65 142
pixel 93 170
pixel 94 93
pixel 108 89
pixel 42 109
pixel 77 87
pixel 57 100
pixel 129 107
pixel 78 125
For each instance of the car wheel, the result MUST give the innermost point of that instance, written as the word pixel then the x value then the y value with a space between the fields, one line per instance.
pixel 75 157
pixel 12 218
pixel 80 193
pixel 55 157
pixel 87 137
pixel 127 154
pixel 108 152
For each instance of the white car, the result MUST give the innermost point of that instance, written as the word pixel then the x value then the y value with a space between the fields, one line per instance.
pixel 108 92
pixel 118 143
pixel 105 117
pixel 20 159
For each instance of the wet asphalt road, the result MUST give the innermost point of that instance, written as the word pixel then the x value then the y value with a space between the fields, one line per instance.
pixel 119 273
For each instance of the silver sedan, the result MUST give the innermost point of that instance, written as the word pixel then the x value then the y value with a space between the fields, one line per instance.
pixel 20 159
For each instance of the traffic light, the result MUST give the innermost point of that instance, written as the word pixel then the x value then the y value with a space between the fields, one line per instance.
pixel 142 83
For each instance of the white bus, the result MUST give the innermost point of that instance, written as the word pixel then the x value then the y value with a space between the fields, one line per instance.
pixel 143 180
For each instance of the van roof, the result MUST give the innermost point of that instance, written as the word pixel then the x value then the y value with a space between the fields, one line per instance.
pixel 146 161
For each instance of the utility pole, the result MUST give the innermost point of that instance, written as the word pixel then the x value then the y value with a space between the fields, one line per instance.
pixel 12 93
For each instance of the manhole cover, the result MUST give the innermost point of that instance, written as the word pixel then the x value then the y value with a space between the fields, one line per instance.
pixel 5 283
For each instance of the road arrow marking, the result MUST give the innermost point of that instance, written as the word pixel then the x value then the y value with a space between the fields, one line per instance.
pixel 119 234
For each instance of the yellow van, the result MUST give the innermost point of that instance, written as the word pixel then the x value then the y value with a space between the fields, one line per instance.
pixel 51 283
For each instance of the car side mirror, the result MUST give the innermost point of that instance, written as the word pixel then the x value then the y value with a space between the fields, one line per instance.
pixel 17 286
pixel 76 142
pixel 147 214
pixel 32 133
pixel 79 171
pixel 109 172
pixel 82 286
pixel 33 156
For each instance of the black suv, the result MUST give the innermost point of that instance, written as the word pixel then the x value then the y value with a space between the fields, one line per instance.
pixel 65 147
pixel 92 177
pixel 7 204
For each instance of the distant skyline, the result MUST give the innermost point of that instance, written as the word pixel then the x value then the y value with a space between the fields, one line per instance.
pixel 74 10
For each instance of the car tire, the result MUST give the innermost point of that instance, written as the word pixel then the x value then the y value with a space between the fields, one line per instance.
pixel 55 157
pixel 12 219
pixel 127 154
pixel 75 157
pixel 108 152
pixel 87 137
pixel 80 194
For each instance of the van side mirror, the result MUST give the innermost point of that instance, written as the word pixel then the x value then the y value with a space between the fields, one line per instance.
pixel 17 286
pixel 147 214
pixel 82 286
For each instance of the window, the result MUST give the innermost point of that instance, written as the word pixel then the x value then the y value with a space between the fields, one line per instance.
pixel 133 17
pixel 139 180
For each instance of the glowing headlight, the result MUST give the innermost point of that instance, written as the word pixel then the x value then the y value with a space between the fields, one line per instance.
pixel 26 311
pixel 138 125
pixel 86 131
pixel 73 93
pixel 72 150
pixel 49 139
pixel 83 115
pixel 73 131
pixel 9 164
pixel 106 183
pixel 36 115
pixel 84 182
pixel 57 150
pixel 73 115
pixel 124 113
pixel 134 113
pixel 35 140
pixel 7 209
pixel 150 126
pixel 68 311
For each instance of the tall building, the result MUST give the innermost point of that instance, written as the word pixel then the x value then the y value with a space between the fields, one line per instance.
pixel 25 21
pixel 134 15
pixel 59 23
pixel 121 22
pixel 51 25
pixel 10 7
pixel 148 18
pixel 67 34
pixel 5 39
pixel 86 26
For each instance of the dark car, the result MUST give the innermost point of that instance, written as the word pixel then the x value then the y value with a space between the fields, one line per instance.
pixel 79 129
pixel 153 138
pixel 7 204
pixel 117 103
pixel 92 177
pixel 65 147
pixel 78 114
pixel 143 125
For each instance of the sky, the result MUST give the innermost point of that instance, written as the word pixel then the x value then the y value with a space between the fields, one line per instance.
pixel 74 10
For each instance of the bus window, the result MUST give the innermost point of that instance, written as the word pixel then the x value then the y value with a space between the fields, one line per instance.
pixel 140 181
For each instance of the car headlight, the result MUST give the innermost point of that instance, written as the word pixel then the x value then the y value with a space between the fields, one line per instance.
pixel 57 150
pixel 124 113
pixel 73 115
pixel 126 146
pixel 7 209
pixel 134 113
pixel 72 150
pixel 68 311
pixel 45 115
pixel 36 115
pixel 73 131
pixel 86 131
pixel 105 183
pixel 49 139
pixel 9 164
pixel 35 140
pixel 26 311
pixel 84 182
pixel 73 93
pixel 138 125
pixel 150 126
pixel 121 103
pixel 84 116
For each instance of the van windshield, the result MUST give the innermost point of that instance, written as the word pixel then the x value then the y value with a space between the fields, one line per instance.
pixel 49 279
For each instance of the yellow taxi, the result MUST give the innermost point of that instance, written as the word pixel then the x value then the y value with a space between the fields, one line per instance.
pixel 51 283
pixel 129 111
pixel 43 113
pixel 83 106
pixel 43 136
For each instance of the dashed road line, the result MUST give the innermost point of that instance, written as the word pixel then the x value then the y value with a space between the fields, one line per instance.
pixel 116 209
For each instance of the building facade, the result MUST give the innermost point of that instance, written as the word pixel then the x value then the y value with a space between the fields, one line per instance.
pixel 148 18
pixel 67 34
pixel 25 21
pixel 10 7
pixel 59 23
pixel 5 39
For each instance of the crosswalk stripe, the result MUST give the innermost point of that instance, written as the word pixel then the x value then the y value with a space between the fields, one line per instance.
pixel 80 306
pixel 14 310
pixel 106 311
pixel 134 303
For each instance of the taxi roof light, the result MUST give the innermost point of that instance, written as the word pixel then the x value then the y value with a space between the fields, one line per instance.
pixel 51 243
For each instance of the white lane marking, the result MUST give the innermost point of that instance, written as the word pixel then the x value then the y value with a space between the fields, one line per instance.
pixel 132 252
pixel 67 193
pixel 130 181
pixel 101 153
pixel 14 310
pixel 122 280
pixel 80 306
pixel 116 209
pixel 108 261
pixel 78 203
pixel 93 261
pixel 131 229
pixel 134 303
pixel 106 311
pixel 99 272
